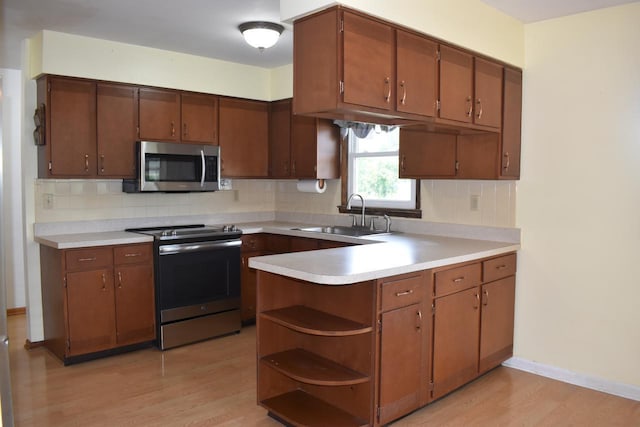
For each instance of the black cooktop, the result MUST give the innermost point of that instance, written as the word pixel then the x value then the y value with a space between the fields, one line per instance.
pixel 200 231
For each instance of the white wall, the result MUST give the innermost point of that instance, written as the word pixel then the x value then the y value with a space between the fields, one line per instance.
pixel 11 86
pixel 578 295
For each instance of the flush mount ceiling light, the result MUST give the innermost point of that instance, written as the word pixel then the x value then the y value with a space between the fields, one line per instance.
pixel 260 34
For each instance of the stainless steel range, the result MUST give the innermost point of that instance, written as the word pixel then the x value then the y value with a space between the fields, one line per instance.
pixel 197 282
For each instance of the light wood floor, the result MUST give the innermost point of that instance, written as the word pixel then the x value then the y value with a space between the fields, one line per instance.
pixel 213 383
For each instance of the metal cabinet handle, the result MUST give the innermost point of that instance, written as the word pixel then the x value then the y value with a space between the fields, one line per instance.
pixel 470 111
pixel 119 280
pixel 404 93
pixel 501 267
pixel 86 163
pixel 104 282
pixel 293 167
pixel 485 297
pixel 133 254
pixel 173 129
pixel 419 320
pixel 480 108
pixel 402 161
pixel 184 129
pixel 458 279
pixel 477 304
pixel 387 83
pixel 102 163
pixel 506 167
pixel 286 167
pixel 86 259
pixel 407 292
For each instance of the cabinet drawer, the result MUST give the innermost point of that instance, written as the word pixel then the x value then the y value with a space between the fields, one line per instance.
pixel 457 279
pixel 89 258
pixel 133 254
pixel 253 242
pixel 498 268
pixel 402 291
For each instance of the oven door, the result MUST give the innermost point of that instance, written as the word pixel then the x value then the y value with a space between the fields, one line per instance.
pixel 199 278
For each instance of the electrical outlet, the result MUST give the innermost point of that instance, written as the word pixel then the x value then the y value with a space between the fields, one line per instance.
pixel 226 184
pixel 47 201
pixel 474 203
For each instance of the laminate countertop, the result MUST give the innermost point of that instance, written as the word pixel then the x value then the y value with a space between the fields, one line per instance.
pixel 375 257
pixel 85 240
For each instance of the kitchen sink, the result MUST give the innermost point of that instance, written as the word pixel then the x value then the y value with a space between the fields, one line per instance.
pixel 354 231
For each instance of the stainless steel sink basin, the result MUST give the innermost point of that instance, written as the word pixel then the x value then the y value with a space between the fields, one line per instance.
pixel 342 230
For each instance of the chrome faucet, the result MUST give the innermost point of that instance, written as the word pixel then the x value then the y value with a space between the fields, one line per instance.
pixel 349 206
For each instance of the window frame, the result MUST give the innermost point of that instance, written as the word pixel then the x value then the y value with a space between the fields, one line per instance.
pixel 345 167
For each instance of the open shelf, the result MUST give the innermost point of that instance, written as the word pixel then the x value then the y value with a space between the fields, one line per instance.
pixel 300 408
pixel 310 368
pixel 309 321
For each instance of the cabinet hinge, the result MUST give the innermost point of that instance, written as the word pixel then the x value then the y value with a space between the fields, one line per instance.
pixel 68 345
pixel 50 166
pixel 430 385
pixel 378 413
pixel 138 131
pixel 48 86
pixel 457 166
pixel 433 309
pixel 438 54
pixel 342 25
pixel 438 105
pixel 64 282
pixel 341 86
pixel 379 325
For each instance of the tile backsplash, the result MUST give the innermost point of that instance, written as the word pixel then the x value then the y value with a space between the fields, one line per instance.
pixel 487 203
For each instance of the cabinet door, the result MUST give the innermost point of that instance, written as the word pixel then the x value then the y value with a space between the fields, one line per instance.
pixel 456 85
pixel 117 130
pixel 401 361
pixel 478 156
pixel 315 148
pixel 199 118
pixel 301 244
pixel 279 139
pixel 511 124
pixel 496 333
pixel 368 62
pixel 159 114
pixel 455 340
pixel 488 93
pixel 72 127
pixel 426 154
pixel 135 304
pixel 90 311
pixel 248 280
pixel 244 138
pixel 417 67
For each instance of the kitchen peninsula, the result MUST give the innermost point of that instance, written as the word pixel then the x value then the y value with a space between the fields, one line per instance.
pixel 362 335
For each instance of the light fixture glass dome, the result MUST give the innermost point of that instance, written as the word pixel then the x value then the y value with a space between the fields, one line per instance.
pixel 261 35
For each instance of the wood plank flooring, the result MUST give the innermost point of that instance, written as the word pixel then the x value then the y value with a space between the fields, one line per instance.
pixel 213 383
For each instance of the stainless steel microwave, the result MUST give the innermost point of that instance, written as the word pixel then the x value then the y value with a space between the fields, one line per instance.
pixel 175 167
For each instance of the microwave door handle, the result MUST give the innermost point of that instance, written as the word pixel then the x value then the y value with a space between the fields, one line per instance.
pixel 204 168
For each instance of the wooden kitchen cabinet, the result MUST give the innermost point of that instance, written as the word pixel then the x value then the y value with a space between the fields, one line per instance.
pixel 69 150
pixel 159 114
pixel 417 78
pixel 404 345
pixel 97 299
pixel 302 147
pixel 428 155
pixel 470 88
pixel 244 138
pixel 199 118
pixel 511 124
pixel 117 130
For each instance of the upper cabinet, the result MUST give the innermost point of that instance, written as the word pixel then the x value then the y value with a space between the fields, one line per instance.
pixel 159 115
pixel 302 147
pixel 244 138
pixel 168 115
pixel 345 65
pixel 511 124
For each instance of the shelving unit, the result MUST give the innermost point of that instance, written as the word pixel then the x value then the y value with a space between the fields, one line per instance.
pixel 316 351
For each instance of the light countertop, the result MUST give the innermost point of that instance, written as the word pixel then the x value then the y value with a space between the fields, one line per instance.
pixel 84 240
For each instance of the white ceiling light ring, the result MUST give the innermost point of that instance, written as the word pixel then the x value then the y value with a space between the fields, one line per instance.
pixel 261 34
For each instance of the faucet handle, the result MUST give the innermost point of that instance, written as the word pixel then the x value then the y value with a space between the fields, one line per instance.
pixel 387 225
pixel 372 223
pixel 354 220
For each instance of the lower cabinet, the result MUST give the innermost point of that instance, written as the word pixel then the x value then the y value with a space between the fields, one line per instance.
pixel 97 299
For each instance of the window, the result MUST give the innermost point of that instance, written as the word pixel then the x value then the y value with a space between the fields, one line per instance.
pixel 373 171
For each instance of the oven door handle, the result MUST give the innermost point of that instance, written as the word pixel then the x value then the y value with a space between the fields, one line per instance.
pixel 181 248
pixel 204 168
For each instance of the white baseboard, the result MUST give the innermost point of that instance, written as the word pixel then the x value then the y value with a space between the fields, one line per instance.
pixel 618 389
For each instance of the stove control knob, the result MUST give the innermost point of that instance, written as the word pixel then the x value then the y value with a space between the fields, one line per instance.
pixel 174 232
pixel 165 233
pixel 233 228
pixel 225 228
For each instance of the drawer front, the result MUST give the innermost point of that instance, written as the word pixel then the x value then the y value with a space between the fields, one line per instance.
pixel 457 279
pixel 88 258
pixel 497 268
pixel 402 292
pixel 253 242
pixel 133 254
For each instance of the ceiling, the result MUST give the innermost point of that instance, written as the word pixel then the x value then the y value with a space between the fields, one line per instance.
pixel 201 27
